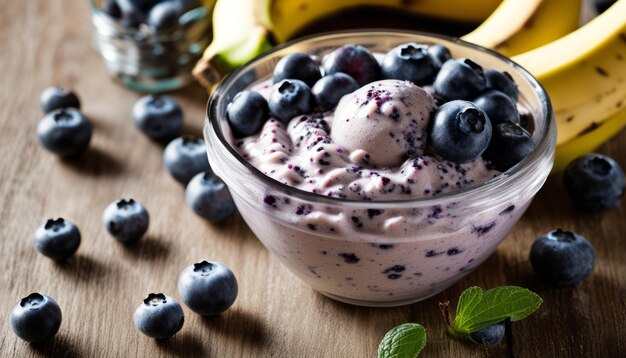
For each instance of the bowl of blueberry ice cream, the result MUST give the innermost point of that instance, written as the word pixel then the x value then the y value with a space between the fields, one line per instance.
pixel 381 166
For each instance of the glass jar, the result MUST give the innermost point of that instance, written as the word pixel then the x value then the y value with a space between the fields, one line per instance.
pixel 151 62
pixel 422 246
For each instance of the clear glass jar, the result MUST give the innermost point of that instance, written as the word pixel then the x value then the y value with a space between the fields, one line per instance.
pixel 150 62
pixel 424 245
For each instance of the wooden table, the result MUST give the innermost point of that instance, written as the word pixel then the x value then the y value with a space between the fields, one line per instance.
pixel 276 315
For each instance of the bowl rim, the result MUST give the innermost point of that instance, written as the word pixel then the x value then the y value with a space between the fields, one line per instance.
pixel 544 146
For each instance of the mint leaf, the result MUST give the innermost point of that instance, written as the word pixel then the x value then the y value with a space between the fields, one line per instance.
pixel 404 341
pixel 476 309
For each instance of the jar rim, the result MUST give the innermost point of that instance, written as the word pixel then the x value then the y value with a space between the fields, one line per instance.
pixel 543 151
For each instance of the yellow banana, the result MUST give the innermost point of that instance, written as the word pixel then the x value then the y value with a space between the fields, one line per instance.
pixel 519 26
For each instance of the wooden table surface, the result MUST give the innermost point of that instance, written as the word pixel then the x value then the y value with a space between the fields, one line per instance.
pixel 275 315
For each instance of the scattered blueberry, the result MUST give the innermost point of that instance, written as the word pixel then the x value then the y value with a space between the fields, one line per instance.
pixel 498 106
pixel 297 66
pixel 126 220
pixel 503 82
pixel 159 117
pixel 246 113
pixel 185 157
pixel 159 316
pixel 112 8
pixel 57 239
pixel 562 258
pixel 489 335
pixel 460 131
pixel 209 197
pixel 354 60
pixel 289 98
pixel 208 288
pixel 510 144
pixel 440 53
pixel 330 88
pixel 57 97
pixel 595 182
pixel 164 15
pixel 602 5
pixel 460 78
pixel 410 62
pixel 36 318
pixel 65 132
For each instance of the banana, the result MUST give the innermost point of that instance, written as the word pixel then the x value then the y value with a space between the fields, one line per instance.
pixel 519 26
pixel 243 29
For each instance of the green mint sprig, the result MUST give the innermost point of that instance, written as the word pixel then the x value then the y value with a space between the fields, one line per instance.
pixel 477 309
pixel 404 341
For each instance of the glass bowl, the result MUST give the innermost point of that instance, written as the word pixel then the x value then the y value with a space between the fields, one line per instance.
pixel 421 246
pixel 148 62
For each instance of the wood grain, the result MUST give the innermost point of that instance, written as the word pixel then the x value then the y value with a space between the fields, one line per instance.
pixel 48 42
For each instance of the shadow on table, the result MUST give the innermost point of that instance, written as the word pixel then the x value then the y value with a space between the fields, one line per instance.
pixel 149 248
pixel 94 162
pixel 58 346
pixel 184 344
pixel 236 324
pixel 83 268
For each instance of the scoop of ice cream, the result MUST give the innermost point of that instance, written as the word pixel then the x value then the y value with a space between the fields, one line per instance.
pixel 387 119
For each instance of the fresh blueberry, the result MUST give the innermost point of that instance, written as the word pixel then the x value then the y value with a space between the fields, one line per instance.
pixel 209 197
pixel 65 132
pixel 246 113
pixel 503 82
pixel 112 8
pixel 289 98
pixel 602 5
pixel 126 220
pixel 460 79
pixel 562 258
pixel 498 106
pixel 208 288
pixel 56 97
pixel 510 144
pixel 185 157
pixel 58 239
pixel 297 66
pixel 460 131
pixel 134 12
pixel 164 16
pixel 354 60
pixel 330 88
pixel 595 182
pixel 489 335
pixel 159 316
pixel 36 318
pixel 410 62
pixel 440 53
pixel 159 117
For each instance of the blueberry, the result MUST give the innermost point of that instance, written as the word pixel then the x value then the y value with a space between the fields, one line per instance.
pixel 159 316
pixel 510 144
pixel 209 197
pixel 57 239
pixel 595 182
pixel 297 66
pixel 460 79
pixel 36 318
pixel 460 131
pixel 133 12
pixel 159 117
pixel 185 157
pixel 330 88
pixel 126 220
pixel 289 98
pixel 246 113
pixel 602 5
pixel 208 288
pixel 498 106
pixel 562 258
pixel 503 82
pixel 410 62
pixel 489 335
pixel 440 53
pixel 164 16
pixel 57 97
pixel 64 132
pixel 112 8
pixel 354 60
